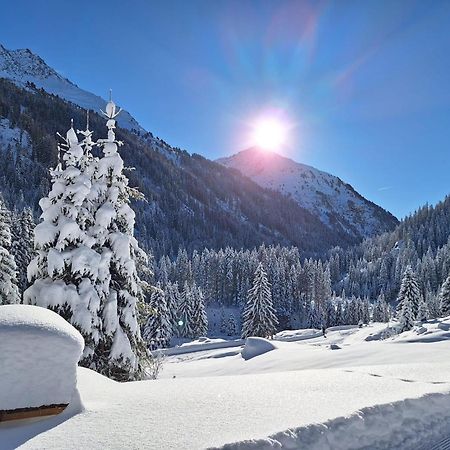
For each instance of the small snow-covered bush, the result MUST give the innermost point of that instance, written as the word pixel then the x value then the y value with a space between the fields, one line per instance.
pixel 39 353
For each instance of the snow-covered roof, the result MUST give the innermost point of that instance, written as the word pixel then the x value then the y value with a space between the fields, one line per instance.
pixel 39 355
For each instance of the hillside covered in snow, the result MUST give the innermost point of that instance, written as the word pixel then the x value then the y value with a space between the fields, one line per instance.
pixel 326 196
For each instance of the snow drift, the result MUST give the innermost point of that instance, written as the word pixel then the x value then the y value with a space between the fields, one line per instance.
pixel 39 355
pixel 412 423
pixel 255 346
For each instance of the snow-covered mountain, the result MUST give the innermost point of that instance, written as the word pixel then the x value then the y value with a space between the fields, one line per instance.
pixel 193 202
pixel 326 196
pixel 24 67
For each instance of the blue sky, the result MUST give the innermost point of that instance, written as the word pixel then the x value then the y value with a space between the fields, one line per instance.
pixel 364 83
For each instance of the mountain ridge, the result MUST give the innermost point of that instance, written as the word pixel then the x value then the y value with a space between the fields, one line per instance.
pixel 335 202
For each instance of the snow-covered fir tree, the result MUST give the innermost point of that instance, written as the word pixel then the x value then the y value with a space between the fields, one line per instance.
pixel 231 327
pixel 121 347
pixel 258 318
pixel 186 312
pixel 157 330
pixel 381 310
pixel 9 290
pixel 423 313
pixel 23 245
pixel 409 289
pixel 199 320
pixel 173 302
pixel 223 321
pixel 406 315
pixel 433 303
pixel 65 270
pixel 444 297
pixel 409 299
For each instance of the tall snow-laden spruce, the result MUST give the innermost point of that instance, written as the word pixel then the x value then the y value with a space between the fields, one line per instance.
pixel 409 289
pixel 381 310
pixel 406 315
pixel 409 300
pixel 186 313
pixel 444 297
pixel 258 318
pixel 157 330
pixel 121 350
pixel 64 271
pixel 423 313
pixel 199 317
pixel 173 302
pixel 23 245
pixel 9 291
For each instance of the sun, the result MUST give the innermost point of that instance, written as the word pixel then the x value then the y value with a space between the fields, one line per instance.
pixel 269 134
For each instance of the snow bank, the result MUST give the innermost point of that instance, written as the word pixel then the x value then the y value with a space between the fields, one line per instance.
pixel 412 423
pixel 297 335
pixel 255 346
pixel 200 345
pixel 39 354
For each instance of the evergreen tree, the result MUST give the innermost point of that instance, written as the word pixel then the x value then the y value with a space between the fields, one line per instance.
pixel 173 303
pixel 9 291
pixel 381 310
pixel 423 313
pixel 199 318
pixel 23 245
pixel 121 348
pixel 339 318
pixel 409 289
pixel 231 329
pixel 258 318
pixel 157 330
pixel 65 270
pixel 223 322
pixel 406 315
pixel 330 314
pixel 444 297
pixel 186 313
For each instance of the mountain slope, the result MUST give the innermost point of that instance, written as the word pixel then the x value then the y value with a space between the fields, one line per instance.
pixel 191 202
pixel 334 202
pixel 24 68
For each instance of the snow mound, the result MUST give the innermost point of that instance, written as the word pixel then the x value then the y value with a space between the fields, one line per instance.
pixel 255 346
pixel 435 330
pixel 39 355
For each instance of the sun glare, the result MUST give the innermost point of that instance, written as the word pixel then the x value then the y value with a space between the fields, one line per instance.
pixel 269 134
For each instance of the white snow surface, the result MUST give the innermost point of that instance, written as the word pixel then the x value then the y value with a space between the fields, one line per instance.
pixel 39 355
pixel 370 394
pixel 325 195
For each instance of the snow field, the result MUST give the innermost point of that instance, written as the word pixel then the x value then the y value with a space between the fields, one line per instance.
pixel 369 394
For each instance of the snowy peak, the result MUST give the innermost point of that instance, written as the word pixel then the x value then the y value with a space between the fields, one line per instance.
pixel 25 69
pixel 21 64
pixel 336 203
